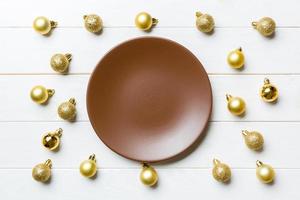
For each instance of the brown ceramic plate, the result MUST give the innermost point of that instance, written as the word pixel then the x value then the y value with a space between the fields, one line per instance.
pixel 149 99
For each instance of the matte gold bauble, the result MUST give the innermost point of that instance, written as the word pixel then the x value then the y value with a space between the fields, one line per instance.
pixel 236 105
pixel 144 21
pixel 67 110
pixel 42 171
pixel 148 175
pixel 60 62
pixel 93 23
pixel 43 25
pixel 88 168
pixel 265 26
pixel 236 58
pixel 268 92
pixel 221 172
pixel 253 139
pixel 51 140
pixel 204 22
pixel 40 94
pixel 265 173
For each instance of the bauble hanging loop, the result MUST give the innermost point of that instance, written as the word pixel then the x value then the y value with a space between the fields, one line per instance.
pixel 265 173
pixel 93 23
pixel 269 92
pixel 265 26
pixel 40 94
pixel 235 105
pixel 42 171
pixel 67 110
pixel 60 62
pixel 221 172
pixel 253 139
pixel 51 140
pixel 148 175
pixel 236 58
pixel 88 168
pixel 204 22
pixel 43 25
pixel 144 21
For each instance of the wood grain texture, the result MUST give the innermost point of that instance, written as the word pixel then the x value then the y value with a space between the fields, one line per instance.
pixel 263 55
pixel 24 63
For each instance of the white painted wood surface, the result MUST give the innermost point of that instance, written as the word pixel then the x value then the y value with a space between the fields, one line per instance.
pixel 25 62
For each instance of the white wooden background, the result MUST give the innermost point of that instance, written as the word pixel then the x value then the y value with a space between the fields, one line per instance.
pixel 25 62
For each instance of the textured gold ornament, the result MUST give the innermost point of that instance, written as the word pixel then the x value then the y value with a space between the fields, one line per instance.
pixel 204 22
pixel 60 62
pixel 253 139
pixel 43 25
pixel 42 171
pixel 235 105
pixel 144 21
pixel 265 26
pixel 93 23
pixel 67 110
pixel 40 94
pixel 265 173
pixel 51 140
pixel 88 168
pixel 148 175
pixel 236 58
pixel 221 172
pixel 268 92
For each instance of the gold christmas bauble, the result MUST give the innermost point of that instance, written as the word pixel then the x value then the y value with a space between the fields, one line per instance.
pixel 88 168
pixel 265 173
pixel 204 22
pixel 221 172
pixel 42 171
pixel 236 105
pixel 43 25
pixel 268 92
pixel 253 139
pixel 236 58
pixel 67 110
pixel 51 140
pixel 265 26
pixel 40 94
pixel 60 62
pixel 144 21
pixel 93 23
pixel 148 175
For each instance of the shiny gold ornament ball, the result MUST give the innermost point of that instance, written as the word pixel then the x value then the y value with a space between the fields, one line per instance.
pixel 51 140
pixel 148 175
pixel 60 62
pixel 236 105
pixel 88 168
pixel 265 26
pixel 93 23
pixel 236 58
pixel 253 139
pixel 204 22
pixel 268 92
pixel 40 94
pixel 221 172
pixel 67 110
pixel 42 171
pixel 265 173
pixel 144 21
pixel 43 25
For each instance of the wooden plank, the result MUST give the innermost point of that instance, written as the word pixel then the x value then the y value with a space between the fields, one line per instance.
pixel 173 184
pixel 16 104
pixel 22 148
pixel 27 52
pixel 169 12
